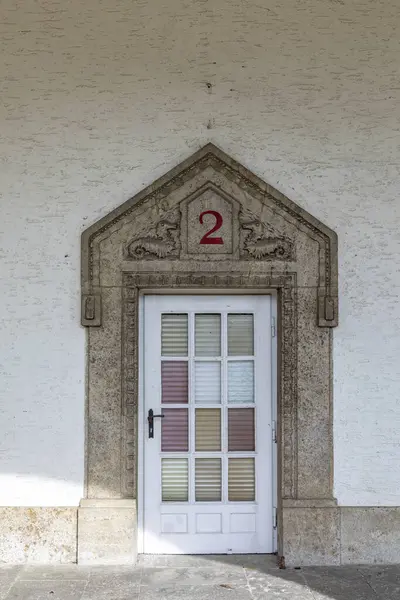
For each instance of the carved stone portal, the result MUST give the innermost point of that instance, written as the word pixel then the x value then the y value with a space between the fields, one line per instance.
pixel 211 225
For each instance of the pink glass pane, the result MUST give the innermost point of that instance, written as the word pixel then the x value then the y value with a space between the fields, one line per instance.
pixel 174 430
pixel 241 429
pixel 174 382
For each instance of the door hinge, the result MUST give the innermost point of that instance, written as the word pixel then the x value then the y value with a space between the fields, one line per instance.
pixel 273 327
pixel 274 438
pixel 274 518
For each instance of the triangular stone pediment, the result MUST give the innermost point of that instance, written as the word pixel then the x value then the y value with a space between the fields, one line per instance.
pixel 212 209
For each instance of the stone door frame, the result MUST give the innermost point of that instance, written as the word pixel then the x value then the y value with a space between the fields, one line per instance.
pixel 307 311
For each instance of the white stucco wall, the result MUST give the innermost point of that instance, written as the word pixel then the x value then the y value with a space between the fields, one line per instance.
pixel 99 98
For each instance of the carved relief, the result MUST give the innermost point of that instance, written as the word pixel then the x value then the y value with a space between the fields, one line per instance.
pixel 261 242
pixel 129 376
pixel 162 240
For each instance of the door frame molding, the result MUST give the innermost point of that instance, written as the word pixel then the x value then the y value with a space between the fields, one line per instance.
pixel 280 285
pixel 141 399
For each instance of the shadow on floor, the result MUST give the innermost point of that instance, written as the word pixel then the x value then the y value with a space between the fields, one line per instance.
pixel 249 577
pixel 265 580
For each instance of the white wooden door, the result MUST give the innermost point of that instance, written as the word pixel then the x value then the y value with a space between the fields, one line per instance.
pixel 208 463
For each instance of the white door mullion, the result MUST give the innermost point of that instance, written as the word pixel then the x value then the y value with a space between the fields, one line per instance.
pixel 191 407
pixel 224 404
pixel 224 381
pixel 224 467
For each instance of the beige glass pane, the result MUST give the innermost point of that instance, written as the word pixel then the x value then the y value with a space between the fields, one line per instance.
pixel 240 382
pixel 174 479
pixel 208 479
pixel 240 335
pixel 241 430
pixel 207 335
pixel 174 334
pixel 208 429
pixel 207 382
pixel 241 480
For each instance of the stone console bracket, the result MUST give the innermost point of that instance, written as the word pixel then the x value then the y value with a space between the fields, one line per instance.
pixel 91 310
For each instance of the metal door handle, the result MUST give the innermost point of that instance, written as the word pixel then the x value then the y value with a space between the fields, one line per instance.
pixel 150 418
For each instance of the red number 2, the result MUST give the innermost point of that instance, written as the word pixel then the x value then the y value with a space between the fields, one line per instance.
pixel 206 239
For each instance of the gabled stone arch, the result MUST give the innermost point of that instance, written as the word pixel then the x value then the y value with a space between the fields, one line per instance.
pixel 151 242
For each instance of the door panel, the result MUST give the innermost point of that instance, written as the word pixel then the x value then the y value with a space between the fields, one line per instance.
pixel 208 467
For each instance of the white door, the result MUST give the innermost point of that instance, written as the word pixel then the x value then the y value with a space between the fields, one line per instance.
pixel 208 461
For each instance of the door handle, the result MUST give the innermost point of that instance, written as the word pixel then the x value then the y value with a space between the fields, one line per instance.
pixel 150 418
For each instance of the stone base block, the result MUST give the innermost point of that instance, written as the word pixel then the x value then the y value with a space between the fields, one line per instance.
pixel 370 535
pixel 39 535
pixel 313 532
pixel 107 532
pixel 311 536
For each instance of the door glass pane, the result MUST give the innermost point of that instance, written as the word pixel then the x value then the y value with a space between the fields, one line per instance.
pixel 208 429
pixel 241 429
pixel 240 381
pixel 174 430
pixel 174 479
pixel 241 480
pixel 174 382
pixel 208 335
pixel 240 335
pixel 207 382
pixel 174 335
pixel 208 479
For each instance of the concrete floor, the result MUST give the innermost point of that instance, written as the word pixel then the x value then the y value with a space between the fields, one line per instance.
pixel 199 578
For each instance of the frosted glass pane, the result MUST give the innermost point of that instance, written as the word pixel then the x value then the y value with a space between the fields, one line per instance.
pixel 207 382
pixel 208 429
pixel 174 430
pixel 174 382
pixel 208 335
pixel 174 479
pixel 174 335
pixel 208 479
pixel 241 480
pixel 241 429
pixel 240 381
pixel 240 335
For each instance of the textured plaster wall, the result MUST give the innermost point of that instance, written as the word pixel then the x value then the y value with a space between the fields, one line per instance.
pixel 99 98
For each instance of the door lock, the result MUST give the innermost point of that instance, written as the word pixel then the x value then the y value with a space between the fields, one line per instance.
pixel 150 418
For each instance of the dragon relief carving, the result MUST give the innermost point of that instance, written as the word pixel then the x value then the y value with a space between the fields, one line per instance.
pixel 260 241
pixel 160 242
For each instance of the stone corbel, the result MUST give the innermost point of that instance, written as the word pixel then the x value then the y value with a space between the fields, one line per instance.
pixel 91 310
pixel 327 309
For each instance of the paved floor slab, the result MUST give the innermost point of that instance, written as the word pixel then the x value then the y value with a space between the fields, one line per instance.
pixel 8 575
pixel 199 578
pixel 187 592
pixel 46 590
